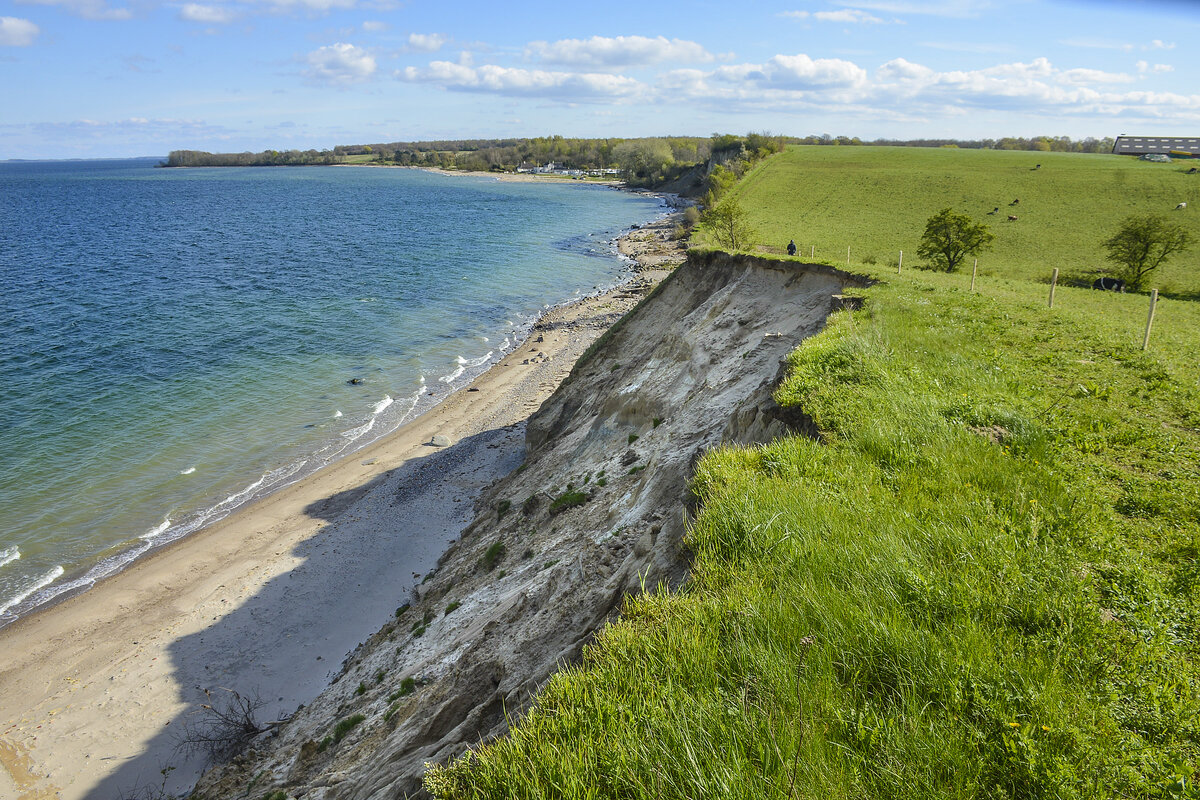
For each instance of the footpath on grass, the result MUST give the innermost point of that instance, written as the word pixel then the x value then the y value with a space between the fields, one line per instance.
pixel 980 579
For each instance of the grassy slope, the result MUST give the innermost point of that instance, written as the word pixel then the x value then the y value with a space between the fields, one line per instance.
pixel 985 583
pixel 876 200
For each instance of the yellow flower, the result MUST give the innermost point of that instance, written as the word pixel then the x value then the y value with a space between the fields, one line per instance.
pixel 1014 724
pixel 1046 728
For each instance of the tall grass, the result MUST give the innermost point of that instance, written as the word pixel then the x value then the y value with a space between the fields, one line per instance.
pixel 984 583
pixel 876 200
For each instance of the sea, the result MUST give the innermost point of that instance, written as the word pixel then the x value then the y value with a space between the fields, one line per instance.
pixel 176 343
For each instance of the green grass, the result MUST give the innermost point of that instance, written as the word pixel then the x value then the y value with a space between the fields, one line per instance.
pixel 983 583
pixel 876 200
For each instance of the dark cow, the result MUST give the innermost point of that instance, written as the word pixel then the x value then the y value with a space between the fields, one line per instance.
pixel 1109 284
pixel 1012 218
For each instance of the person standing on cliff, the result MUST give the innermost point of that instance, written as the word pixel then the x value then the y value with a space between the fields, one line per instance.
pixel 792 247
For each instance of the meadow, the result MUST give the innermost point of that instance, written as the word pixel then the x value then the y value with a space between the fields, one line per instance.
pixel 981 581
pixel 875 200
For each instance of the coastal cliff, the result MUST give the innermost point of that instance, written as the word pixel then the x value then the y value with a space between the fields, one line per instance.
pixel 597 510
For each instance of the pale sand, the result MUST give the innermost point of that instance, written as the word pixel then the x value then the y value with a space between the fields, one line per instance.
pixel 270 600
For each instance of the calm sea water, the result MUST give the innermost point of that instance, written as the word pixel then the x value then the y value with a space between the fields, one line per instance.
pixel 174 343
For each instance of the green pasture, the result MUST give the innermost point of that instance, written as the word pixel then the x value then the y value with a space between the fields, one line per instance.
pixel 875 200
pixel 981 581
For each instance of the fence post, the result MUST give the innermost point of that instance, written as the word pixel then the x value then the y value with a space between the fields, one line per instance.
pixel 1053 283
pixel 974 269
pixel 900 263
pixel 1150 319
pixel 812 253
pixel 847 255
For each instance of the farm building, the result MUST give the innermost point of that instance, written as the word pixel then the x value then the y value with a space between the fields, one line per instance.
pixel 1177 146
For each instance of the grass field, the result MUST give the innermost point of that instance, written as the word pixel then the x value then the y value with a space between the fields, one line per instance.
pixel 876 201
pixel 983 582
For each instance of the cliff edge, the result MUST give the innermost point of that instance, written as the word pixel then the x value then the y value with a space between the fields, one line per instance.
pixel 597 510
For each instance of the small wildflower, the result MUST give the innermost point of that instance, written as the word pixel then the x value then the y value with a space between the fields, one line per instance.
pixel 1014 724
pixel 1046 728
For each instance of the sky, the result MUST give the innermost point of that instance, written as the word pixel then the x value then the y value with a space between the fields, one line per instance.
pixel 122 78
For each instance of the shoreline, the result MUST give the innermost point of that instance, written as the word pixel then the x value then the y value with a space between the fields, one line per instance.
pixel 269 600
pixel 81 578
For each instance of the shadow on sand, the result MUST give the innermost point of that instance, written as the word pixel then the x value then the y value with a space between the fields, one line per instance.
pixel 284 643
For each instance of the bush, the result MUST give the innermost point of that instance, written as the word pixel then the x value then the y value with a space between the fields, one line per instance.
pixel 567 500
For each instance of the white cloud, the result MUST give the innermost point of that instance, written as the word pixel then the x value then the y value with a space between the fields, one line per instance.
pixel 1083 77
pixel 956 9
pixel 17 32
pixel 210 15
pixel 1144 67
pixel 375 26
pixel 603 52
pixel 426 42
pixel 312 5
pixel 88 9
pixel 566 86
pixel 340 64
pixel 847 15
pixel 1159 44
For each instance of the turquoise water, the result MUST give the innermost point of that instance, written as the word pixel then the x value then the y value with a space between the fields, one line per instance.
pixel 175 343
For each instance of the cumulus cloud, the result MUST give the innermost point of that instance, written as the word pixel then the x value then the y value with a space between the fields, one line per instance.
pixel 905 90
pixel 426 42
pixel 209 15
pixel 1159 44
pixel 567 86
pixel 1083 77
pixel 604 52
pixel 375 26
pixel 17 32
pixel 340 64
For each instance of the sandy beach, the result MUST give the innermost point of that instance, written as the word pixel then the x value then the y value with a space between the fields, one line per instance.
pixel 268 602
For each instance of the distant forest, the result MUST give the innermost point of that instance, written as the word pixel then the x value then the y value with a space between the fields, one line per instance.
pixel 645 160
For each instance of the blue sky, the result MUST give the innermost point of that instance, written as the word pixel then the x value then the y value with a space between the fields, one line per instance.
pixel 111 78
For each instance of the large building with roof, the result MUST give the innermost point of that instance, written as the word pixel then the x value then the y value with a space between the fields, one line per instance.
pixel 1167 145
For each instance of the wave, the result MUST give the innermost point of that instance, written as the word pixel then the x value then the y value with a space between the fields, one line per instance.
pixel 9 555
pixel 157 531
pixel 41 583
pixel 187 471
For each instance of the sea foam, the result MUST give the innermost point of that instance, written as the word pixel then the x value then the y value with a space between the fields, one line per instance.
pixel 41 583
pixel 9 555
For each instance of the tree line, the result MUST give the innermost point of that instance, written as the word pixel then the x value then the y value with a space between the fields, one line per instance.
pixel 645 161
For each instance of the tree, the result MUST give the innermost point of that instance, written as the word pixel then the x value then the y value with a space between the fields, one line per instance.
pixel 950 237
pixel 1142 244
pixel 728 223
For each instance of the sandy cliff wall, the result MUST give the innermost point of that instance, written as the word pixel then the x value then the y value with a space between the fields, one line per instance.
pixel 597 510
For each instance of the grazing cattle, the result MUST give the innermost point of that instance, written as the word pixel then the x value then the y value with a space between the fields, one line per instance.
pixel 1012 218
pixel 994 210
pixel 1014 202
pixel 1109 284
pixel 1181 206
pixel 1193 171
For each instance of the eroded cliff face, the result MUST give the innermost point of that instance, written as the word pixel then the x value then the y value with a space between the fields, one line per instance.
pixel 597 510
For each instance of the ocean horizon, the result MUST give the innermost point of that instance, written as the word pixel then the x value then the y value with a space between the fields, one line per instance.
pixel 175 344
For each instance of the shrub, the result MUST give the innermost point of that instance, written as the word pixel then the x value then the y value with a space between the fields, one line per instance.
pixel 345 726
pixel 493 554
pixel 567 500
